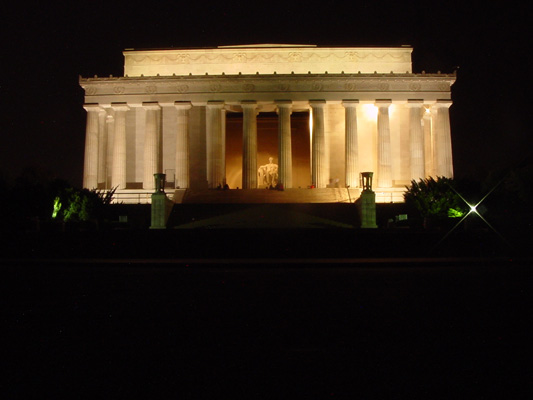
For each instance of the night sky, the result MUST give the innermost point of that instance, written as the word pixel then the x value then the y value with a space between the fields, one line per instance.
pixel 46 48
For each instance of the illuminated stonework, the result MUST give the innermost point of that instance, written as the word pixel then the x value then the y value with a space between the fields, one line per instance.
pixel 367 111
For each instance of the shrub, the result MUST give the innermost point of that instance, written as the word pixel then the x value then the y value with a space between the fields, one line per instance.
pixel 435 198
pixel 72 204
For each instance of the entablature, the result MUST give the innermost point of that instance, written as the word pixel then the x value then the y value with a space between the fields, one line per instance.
pixel 268 87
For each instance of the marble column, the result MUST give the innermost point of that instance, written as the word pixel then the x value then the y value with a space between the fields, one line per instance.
pixel 416 139
pixel 284 109
pixel 90 167
pixel 182 145
pixel 249 145
pixel 443 140
pixel 351 143
pixel 118 170
pixel 216 169
pixel 427 121
pixel 318 145
pixel 110 139
pixel 152 144
pixel 384 146
pixel 223 133
pixel 102 148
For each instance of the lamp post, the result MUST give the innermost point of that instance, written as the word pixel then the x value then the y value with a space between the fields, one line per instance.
pixel 367 202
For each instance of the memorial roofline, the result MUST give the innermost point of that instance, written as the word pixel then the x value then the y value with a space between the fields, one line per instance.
pixel 270 46
pixel 267 59
pixel 315 75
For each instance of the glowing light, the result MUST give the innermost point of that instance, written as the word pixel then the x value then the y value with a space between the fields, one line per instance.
pixel 473 209
pixel 57 207
pixel 370 110
pixel 453 213
pixel 310 135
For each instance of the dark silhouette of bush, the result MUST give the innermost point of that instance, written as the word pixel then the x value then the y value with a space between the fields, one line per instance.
pixel 435 198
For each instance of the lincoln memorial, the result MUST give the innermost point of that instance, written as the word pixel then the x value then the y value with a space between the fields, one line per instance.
pixel 306 118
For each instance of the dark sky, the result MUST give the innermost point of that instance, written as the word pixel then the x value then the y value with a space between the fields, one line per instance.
pixel 46 48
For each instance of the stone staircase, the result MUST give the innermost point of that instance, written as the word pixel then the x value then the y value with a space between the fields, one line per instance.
pixel 259 196
pixel 265 196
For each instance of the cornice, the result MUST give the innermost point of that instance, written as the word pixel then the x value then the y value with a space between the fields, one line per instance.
pixel 272 83
pixel 326 75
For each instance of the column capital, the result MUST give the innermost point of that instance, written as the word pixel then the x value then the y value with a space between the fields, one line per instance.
pixel 283 104
pixel 415 103
pixel 442 103
pixel 350 103
pixel 119 106
pixel 151 105
pixel 92 107
pixel 166 103
pixel 249 104
pixel 383 103
pixel 319 103
pixel 215 104
pixel 183 105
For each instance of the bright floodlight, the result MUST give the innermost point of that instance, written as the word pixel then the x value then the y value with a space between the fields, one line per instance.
pixel 473 209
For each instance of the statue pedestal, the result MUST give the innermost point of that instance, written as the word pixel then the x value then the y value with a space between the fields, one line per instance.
pixel 161 204
pixel 367 209
pixel 161 207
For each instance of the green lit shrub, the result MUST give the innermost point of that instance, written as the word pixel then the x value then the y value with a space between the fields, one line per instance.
pixel 435 198
pixel 72 204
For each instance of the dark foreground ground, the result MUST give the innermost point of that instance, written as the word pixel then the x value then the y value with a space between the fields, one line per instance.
pixel 389 329
pixel 266 314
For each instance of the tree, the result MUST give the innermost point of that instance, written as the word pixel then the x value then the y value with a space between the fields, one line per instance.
pixel 72 204
pixel 435 198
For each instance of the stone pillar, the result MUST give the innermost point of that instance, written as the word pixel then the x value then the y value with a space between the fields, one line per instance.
pixel 427 121
pixel 351 143
pixel 152 144
pixel 223 133
pixel 102 149
pixel 118 171
pixel 384 149
pixel 367 209
pixel 284 108
pixel 367 202
pixel 161 205
pixel 90 167
pixel 318 146
pixel 182 145
pixel 249 145
pixel 110 135
pixel 416 139
pixel 216 170
pixel 443 140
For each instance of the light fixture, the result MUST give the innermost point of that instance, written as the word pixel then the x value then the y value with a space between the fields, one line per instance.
pixel 473 209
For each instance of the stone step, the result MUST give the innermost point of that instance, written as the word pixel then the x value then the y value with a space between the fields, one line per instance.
pixel 265 196
pixel 259 196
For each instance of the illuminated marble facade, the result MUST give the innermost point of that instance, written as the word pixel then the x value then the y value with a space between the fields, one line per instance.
pixel 367 112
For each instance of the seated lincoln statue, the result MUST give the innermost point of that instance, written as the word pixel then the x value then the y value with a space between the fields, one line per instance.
pixel 268 174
